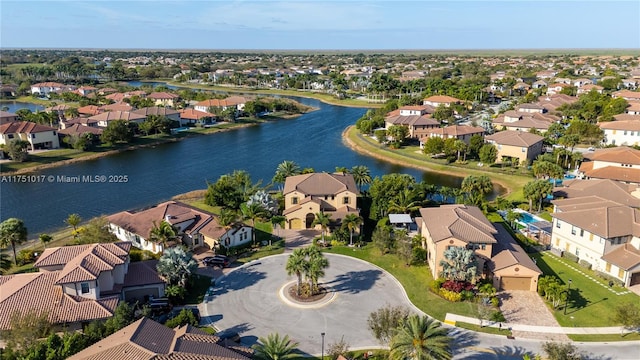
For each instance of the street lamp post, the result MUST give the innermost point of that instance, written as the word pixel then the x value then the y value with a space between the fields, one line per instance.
pixel 566 302
pixel 322 353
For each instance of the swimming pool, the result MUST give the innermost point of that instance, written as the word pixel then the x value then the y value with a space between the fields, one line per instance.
pixel 527 218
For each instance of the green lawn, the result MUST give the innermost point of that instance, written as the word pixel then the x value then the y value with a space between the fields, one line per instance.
pixel 605 337
pixel 590 303
pixel 488 330
pixel 414 279
pixel 275 248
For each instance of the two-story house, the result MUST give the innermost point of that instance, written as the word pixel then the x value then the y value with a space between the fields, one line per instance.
pixel 459 132
pixel 169 113
pixel 620 163
pixel 308 194
pixel 38 136
pixel 437 100
pixel 103 119
pixel 621 132
pixel 416 118
pixel 497 254
pixel 236 102
pixel 195 117
pixel 194 228
pixel 520 145
pixel 164 98
pixel 77 284
pixel 44 88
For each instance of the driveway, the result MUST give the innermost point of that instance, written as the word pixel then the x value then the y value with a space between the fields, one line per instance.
pixel 247 301
pixel 527 308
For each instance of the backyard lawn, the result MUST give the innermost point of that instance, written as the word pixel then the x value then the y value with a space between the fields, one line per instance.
pixel 590 303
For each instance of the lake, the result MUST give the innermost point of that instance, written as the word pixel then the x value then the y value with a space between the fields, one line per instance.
pixel 156 174
pixel 14 106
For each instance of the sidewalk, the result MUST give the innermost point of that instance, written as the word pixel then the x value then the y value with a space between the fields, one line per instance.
pixel 451 319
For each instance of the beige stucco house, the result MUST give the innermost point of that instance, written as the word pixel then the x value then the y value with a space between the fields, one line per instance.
pixel 416 118
pixel 620 163
pixel 498 255
pixel 520 145
pixel 38 136
pixel 308 194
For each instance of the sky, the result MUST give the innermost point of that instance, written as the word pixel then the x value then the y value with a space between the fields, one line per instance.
pixel 320 25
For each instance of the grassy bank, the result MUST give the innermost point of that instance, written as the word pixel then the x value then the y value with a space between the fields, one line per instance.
pixel 408 156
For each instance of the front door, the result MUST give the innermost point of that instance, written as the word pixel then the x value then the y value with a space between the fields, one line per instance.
pixel 309 220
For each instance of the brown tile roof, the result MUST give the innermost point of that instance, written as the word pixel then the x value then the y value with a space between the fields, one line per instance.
pixel 78 129
pixel 147 339
pixel 119 106
pixel 466 223
pixel 155 110
pixel 456 130
pixel 529 123
pixel 617 155
pixel 624 256
pixel 24 127
pixel 38 292
pixel 117 115
pixel 162 96
pixel 320 184
pixel 141 221
pixel 631 125
pixel 626 94
pixel 508 253
pixel 623 117
pixel 142 273
pixel 442 99
pixel 633 106
pixel 193 114
pixel 230 101
pixel 603 188
pixel 614 173
pixel 61 107
pixel 89 110
pixel 605 219
pixel 412 120
pixel 515 138
pixel 48 84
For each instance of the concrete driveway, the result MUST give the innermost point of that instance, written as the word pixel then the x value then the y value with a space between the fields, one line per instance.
pixel 527 308
pixel 247 301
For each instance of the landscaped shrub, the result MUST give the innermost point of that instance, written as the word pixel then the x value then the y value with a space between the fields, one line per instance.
pixel 450 295
pixel 419 255
pixel 497 316
pixel 467 295
pixel 457 286
pixel 140 255
pixel 436 284
pixel 570 256
pixel 25 256
pixel 495 302
pixel 610 278
pixel 585 264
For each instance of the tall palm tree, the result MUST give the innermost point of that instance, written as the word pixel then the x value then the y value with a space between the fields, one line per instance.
pixel 5 262
pixel 74 220
pixel 297 264
pixel 45 239
pixel 275 347
pixel 12 232
pixel 323 220
pixel 253 211
pixel 162 233
pixel 476 188
pixel 316 264
pixel 285 169
pixel 420 338
pixel 361 175
pixel 404 203
pixel 351 222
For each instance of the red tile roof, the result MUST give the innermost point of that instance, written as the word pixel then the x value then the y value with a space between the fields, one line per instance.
pixel 162 96
pixel 79 129
pixel 193 114
pixel 442 99
pixel 24 127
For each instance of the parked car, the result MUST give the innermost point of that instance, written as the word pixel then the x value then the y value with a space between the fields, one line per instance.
pixel 229 335
pixel 218 260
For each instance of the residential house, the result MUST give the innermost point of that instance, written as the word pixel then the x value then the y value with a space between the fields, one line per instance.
pixel 581 82
pixel 86 90
pixel 170 114
pixel 164 98
pixel 119 106
pixel 520 145
pixel 631 84
pixel 43 89
pixel 7 117
pixel 437 100
pixel 497 254
pixel 539 84
pixel 308 194
pixel 79 120
pixel 556 88
pixel 601 232
pixel 552 102
pixel 89 110
pixel 416 118
pixel 38 136
pixel 195 117
pixel 627 95
pixel 620 163
pixel 546 74
pixel 531 108
pixel 585 89
pixel 236 102
pixel 633 108
pixel 78 284
pixel 195 228
pixel 460 132
pixel 146 339
pixel 78 130
pixel 621 132
pixel 105 118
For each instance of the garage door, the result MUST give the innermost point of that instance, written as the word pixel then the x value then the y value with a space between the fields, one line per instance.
pixel 635 279
pixel 515 283
pixel 296 224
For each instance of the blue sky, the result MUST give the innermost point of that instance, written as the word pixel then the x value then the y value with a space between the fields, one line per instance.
pixel 310 24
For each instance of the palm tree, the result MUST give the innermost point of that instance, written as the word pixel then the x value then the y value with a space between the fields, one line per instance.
pixel 5 262
pixel 323 220
pixel 512 217
pixel 404 203
pixel 420 338
pixel 285 169
pixel 277 221
pixel 297 264
pixel 351 222
pixel 253 211
pixel 227 218
pixel 315 268
pixel 45 239
pixel 162 233
pixel 12 232
pixel 361 175
pixel 275 347
pixel 476 188
pixel 74 220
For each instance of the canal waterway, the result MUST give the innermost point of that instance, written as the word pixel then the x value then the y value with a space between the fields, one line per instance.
pixel 156 174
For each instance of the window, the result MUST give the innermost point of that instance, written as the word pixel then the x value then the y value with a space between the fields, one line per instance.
pixel 558 224
pixel 10 136
pixel 590 237
pixel 33 136
pixel 577 252
pixel 84 287
pixel 345 200
pixel 573 230
pixel 581 232
pixel 483 246
pixel 294 200
pixel 607 267
pixel 625 132
pixel 620 273
pixel 524 149
pixel 557 241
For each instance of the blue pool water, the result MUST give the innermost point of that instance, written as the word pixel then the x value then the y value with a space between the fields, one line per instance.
pixel 528 218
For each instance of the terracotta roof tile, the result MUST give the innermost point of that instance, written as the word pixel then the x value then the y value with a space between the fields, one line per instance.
pixel 320 184
pixel 515 138
pixel 466 223
pixel 624 256
pixel 24 127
